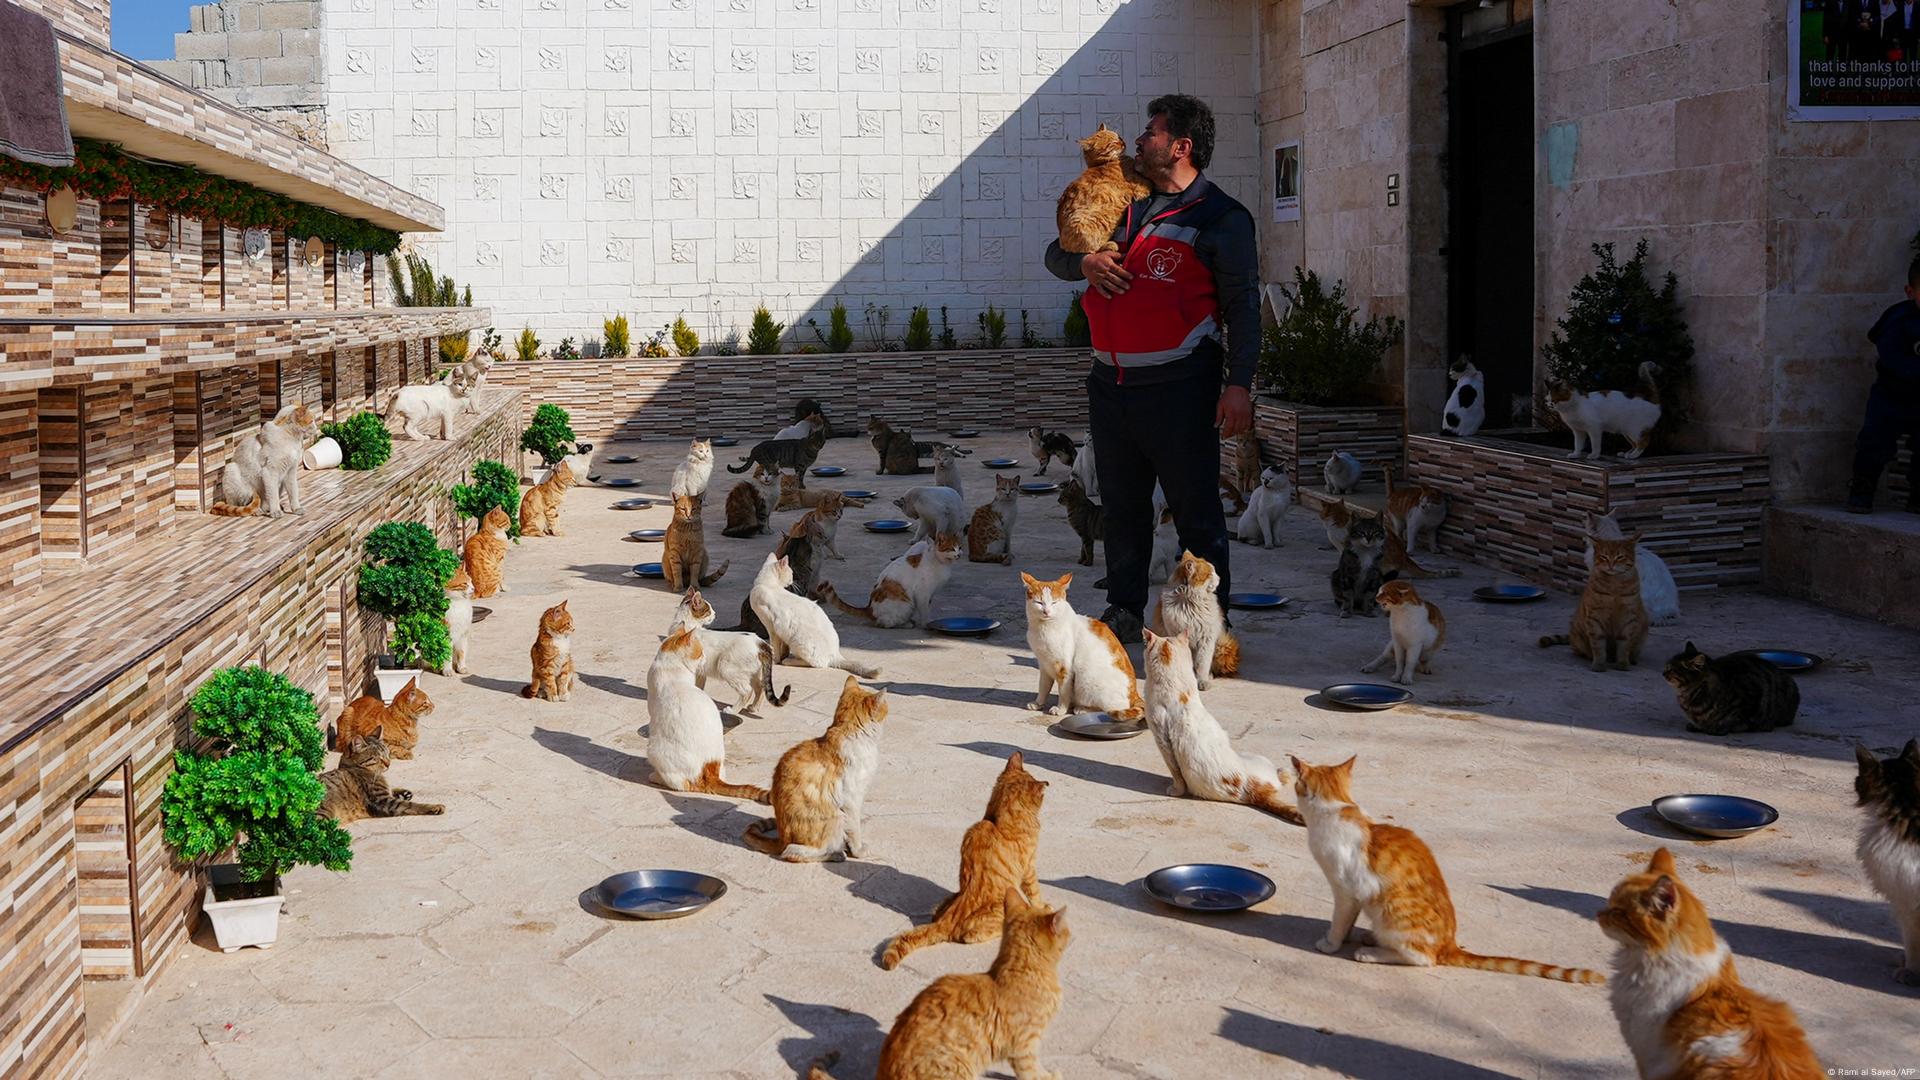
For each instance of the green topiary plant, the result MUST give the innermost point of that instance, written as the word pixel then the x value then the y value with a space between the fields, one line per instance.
pixel 839 334
pixel 685 341
pixel 1319 353
pixel 763 337
pixel 550 434
pixel 257 783
pixel 1616 321
pixel 919 329
pixel 493 485
pixel 364 441
pixel 566 350
pixel 490 342
pixel 405 579
pixel 949 341
pixel 526 346
pixel 618 335
pixel 1076 331
pixel 993 328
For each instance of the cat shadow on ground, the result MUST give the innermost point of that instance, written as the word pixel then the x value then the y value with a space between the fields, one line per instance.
pixel 713 817
pixel 970 694
pixel 613 684
pixel 602 759
pixel 1869 917
pixel 1346 1055
pixel 1275 927
pixel 1848 960
pixel 1099 772
pixel 855 1037
pixel 908 895
pixel 504 686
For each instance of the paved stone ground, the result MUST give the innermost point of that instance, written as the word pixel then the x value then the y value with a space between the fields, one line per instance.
pixel 461 945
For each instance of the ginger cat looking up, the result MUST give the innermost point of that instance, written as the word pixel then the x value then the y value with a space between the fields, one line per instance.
pixel 552 656
pixel 1610 625
pixel 1092 205
pixel 400 721
pixel 820 786
pixel 485 553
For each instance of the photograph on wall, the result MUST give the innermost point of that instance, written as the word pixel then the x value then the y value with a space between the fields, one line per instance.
pixel 1853 59
pixel 1286 182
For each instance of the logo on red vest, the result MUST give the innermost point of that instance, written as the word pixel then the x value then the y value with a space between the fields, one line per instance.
pixel 1161 263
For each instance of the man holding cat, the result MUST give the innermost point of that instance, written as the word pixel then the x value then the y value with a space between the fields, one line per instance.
pixel 1893 405
pixel 1186 269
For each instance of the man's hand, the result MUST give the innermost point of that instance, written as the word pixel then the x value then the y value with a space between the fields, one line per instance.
pixel 1234 414
pixel 1104 273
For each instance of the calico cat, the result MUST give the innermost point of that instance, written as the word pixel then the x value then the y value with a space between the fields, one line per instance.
pixel 1246 464
pixel 357 789
pixel 400 720
pixel 826 517
pixel 996 855
pixel 1088 518
pixel 990 533
pixel 1679 1001
pixel 1733 693
pixel 905 590
pixel 804 548
pixel 1610 625
pixel 798 631
pixel 1093 203
pixel 1357 576
pixel 1200 758
pixel 686 742
pixel 742 661
pixel 1338 519
pixel 265 466
pixel 1048 446
pixel 749 506
pixel 899 454
pixel 552 656
pixel 691 476
pixel 1590 416
pixel 684 560
pixel 1658 591
pixel 946 470
pixel 934 510
pixel 1416 631
pixel 1415 511
pixel 796 496
pixel 1079 653
pixel 1342 473
pixel 1467 408
pixel 1267 504
pixel 1889 847
pixel 540 506
pixel 486 553
pixel 459 620
pixel 1190 605
pixel 820 785
pixel 777 454
pixel 1390 875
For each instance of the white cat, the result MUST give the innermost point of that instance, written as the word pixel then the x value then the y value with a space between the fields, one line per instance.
pixel 1415 632
pixel 1659 593
pixel 476 369
pixel 1079 653
pixel 1190 607
pixel 265 467
pixel 1590 416
pixel 690 477
pixel 1342 472
pixel 799 429
pixel 1166 552
pixel 742 661
pixel 1199 756
pixel 1082 471
pixel 686 741
pixel 935 509
pixel 1467 408
pixel 798 630
pixel 1267 506
pixel 428 406
pixel 459 620
pixel 946 469
pixel 905 590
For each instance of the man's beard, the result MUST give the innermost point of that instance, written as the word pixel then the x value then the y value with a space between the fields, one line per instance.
pixel 1154 165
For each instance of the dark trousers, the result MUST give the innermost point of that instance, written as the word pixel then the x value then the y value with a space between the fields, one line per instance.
pixel 1889 416
pixel 1161 431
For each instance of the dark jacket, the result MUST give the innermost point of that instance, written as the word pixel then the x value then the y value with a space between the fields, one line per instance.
pixel 1896 342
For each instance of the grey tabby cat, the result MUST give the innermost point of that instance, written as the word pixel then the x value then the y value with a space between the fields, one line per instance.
pixel 357 787
pixel 1731 694
pixel 1088 518
pixel 1357 577
pixel 776 454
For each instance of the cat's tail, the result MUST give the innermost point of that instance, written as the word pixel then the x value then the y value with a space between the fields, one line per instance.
pixel 1265 795
pixel 850 665
pixel 763 836
pixel 1226 657
pixel 919 937
pixel 1136 706
pixel 716 575
pixel 1650 389
pixel 709 783
pixel 1455 956
pixel 766 676
pixel 818 1071
pixel 527 691
pixel 744 466
pixel 826 592
pixel 1551 640
pixel 221 509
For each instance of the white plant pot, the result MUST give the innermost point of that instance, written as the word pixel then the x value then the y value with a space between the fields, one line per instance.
pixel 392 680
pixel 240 923
pixel 539 476
pixel 323 454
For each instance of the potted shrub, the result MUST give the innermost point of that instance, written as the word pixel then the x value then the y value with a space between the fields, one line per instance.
pixel 1615 321
pixel 550 435
pixel 364 440
pixel 405 578
pixel 656 346
pixel 256 782
pixel 527 346
pixel 493 485
pixel 618 334
pixel 919 330
pixel 993 328
pixel 685 341
pixel 566 350
pixel 763 337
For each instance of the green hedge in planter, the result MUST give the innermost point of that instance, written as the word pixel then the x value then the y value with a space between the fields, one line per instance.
pixel 1320 353
pixel 1616 321
pixel 405 579
pixel 364 441
pixel 493 485
pixel 549 434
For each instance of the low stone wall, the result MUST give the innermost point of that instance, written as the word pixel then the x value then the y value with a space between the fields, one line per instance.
pixel 1300 438
pixel 751 397
pixel 1868 566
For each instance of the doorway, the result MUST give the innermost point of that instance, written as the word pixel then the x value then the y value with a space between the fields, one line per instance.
pixel 1490 290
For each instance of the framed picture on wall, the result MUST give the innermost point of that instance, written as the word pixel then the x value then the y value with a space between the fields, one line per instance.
pixel 1853 60
pixel 1286 182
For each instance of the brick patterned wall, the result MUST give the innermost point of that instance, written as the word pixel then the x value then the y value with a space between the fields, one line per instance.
pixel 106 466
pixel 1300 438
pixel 1522 507
pixel 62 525
pixel 215 242
pixel 19 490
pixel 116 256
pixel 92 20
pixel 156 238
pixel 285 382
pixel 26 252
pixel 306 283
pixel 105 877
pixel 752 396
pixel 252 274
pixel 212 412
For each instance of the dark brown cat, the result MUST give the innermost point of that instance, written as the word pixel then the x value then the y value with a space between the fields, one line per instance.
pixel 899 454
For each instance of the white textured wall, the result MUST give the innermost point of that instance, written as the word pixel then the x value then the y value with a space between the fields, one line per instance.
pixel 653 157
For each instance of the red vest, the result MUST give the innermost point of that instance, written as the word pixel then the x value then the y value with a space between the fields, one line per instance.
pixel 1170 305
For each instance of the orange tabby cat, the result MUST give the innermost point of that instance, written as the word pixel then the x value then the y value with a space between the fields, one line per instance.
pixel 486 552
pixel 1610 625
pixel 820 785
pixel 1338 518
pixel 1681 1005
pixel 400 720
pixel 552 656
pixel 1093 204
pixel 996 855
pixel 685 558
pixel 540 506
pixel 1386 872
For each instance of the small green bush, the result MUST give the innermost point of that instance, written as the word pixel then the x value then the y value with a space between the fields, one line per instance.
pixel 490 342
pixel 364 441
pixel 405 579
pixel 993 328
pixel 919 329
pixel 526 346
pixel 618 335
pixel 685 341
pixel 1320 353
pixel 1029 338
pixel 566 350
pixel 1616 321
pixel 949 341
pixel 550 434
pixel 1077 332
pixel 493 485
pixel 839 334
pixel 257 784
pixel 656 345
pixel 763 338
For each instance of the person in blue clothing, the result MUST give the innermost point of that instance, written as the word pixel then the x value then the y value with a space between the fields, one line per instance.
pixel 1893 405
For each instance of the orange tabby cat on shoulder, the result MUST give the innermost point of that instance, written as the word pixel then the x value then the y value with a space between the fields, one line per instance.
pixel 400 720
pixel 1681 1005
pixel 1387 873
pixel 820 786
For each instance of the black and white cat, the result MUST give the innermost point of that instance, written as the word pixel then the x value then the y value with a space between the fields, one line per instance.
pixel 1467 408
pixel 1889 845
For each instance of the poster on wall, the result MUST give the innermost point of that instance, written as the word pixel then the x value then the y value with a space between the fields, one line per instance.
pixel 1286 182
pixel 1853 60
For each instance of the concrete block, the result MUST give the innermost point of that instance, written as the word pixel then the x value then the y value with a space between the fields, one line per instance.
pixel 253 44
pixel 200 46
pixel 290 15
pixel 292 71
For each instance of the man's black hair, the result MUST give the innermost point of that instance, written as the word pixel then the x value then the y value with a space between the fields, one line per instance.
pixel 1187 118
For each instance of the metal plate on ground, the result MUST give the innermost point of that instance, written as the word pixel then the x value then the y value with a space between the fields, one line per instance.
pixel 658 894
pixel 1209 887
pixel 1722 817
pixel 1099 725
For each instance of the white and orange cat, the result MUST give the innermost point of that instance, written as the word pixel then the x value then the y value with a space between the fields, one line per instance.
pixel 1199 756
pixel 1414 511
pixel 741 660
pixel 904 593
pixel 686 742
pixel 1682 1008
pixel 1190 605
pixel 1590 416
pixel 1386 873
pixel 1078 653
pixel 798 630
pixel 820 786
pixel 459 620
pixel 1415 631
pixel 691 476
